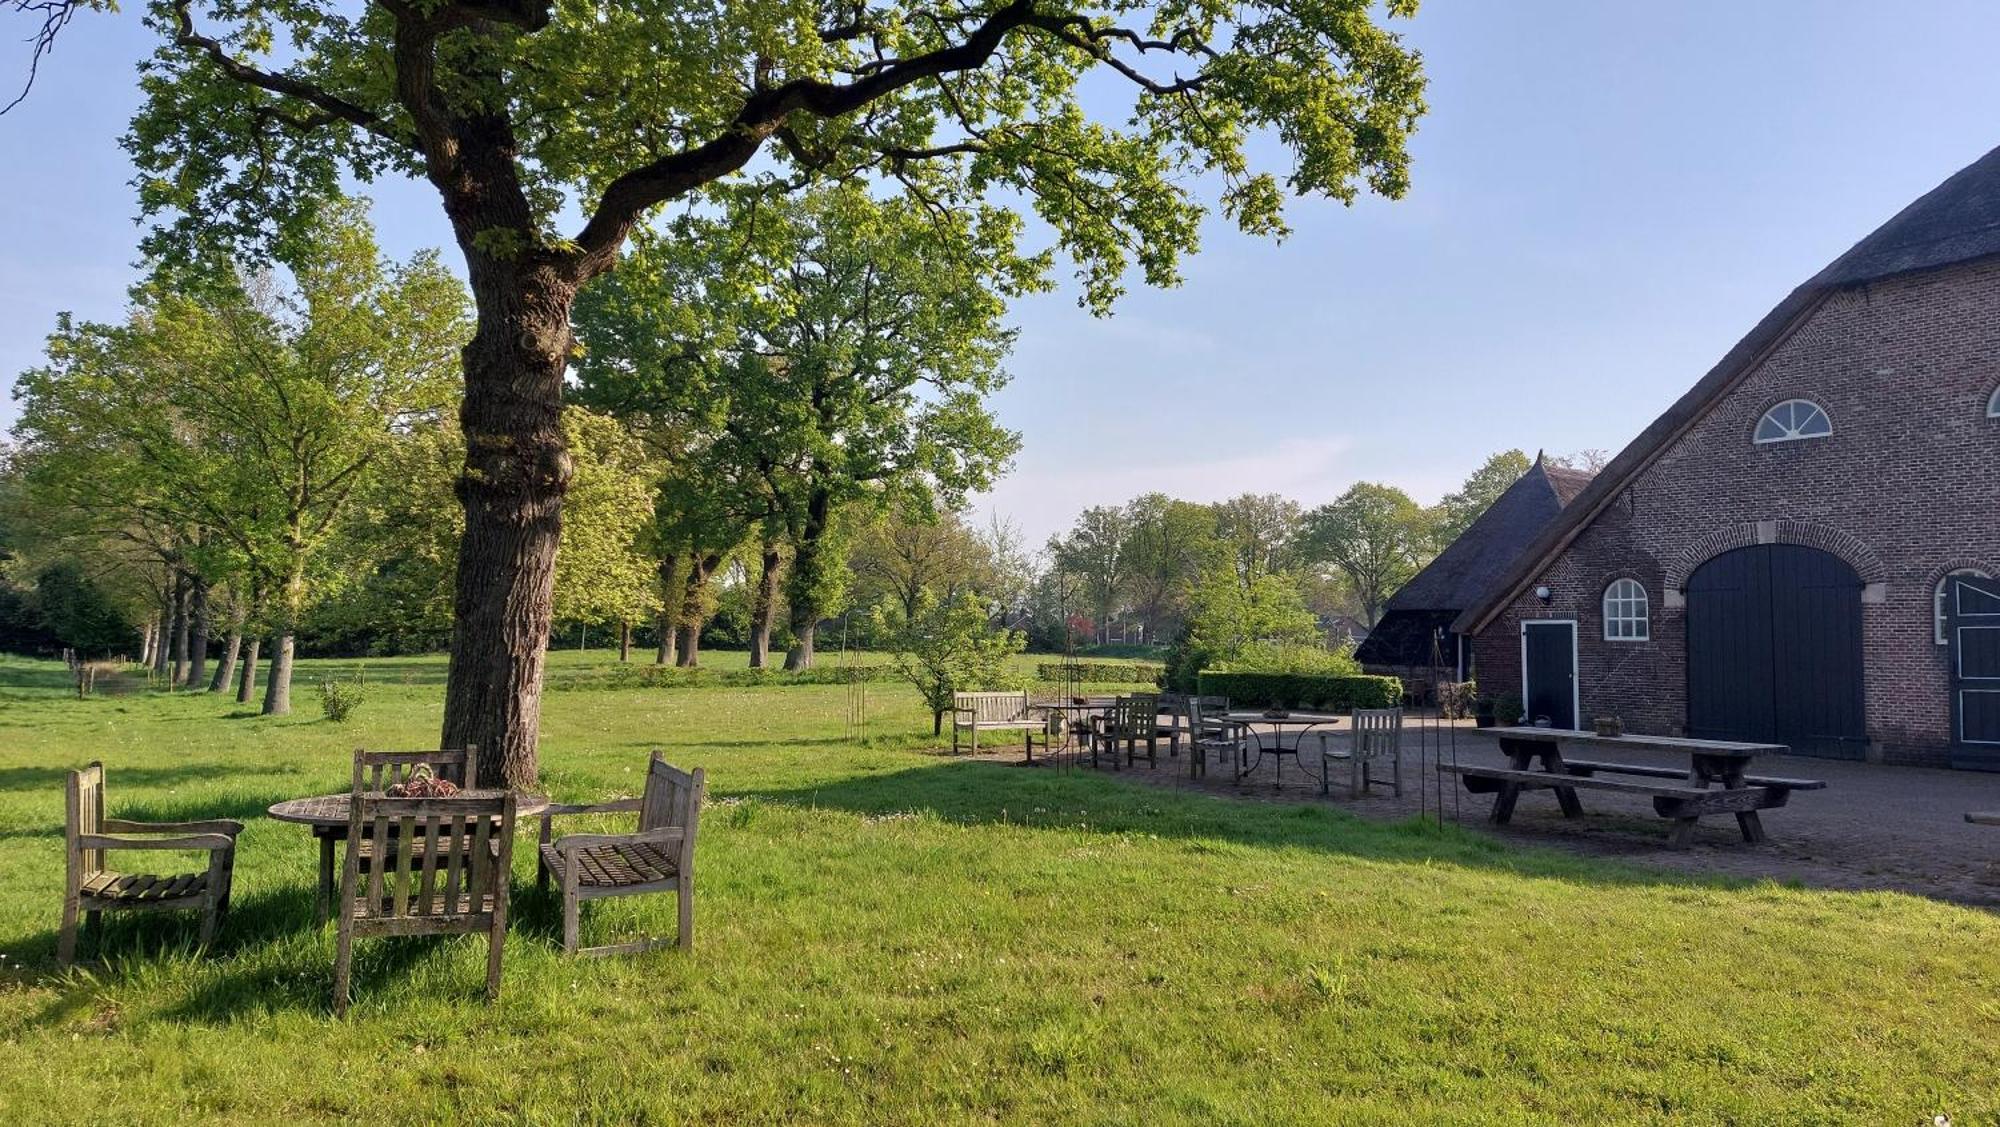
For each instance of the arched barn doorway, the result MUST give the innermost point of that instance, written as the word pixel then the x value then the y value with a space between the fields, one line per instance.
pixel 1774 650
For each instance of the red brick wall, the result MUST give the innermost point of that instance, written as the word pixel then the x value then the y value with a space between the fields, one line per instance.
pixel 1906 489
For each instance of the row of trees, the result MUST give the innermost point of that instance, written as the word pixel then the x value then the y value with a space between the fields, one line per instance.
pixel 1158 568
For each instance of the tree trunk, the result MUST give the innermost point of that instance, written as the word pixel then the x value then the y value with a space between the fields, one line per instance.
pixel 146 643
pixel 163 630
pixel 198 640
pixel 624 641
pixel 665 654
pixel 225 669
pixel 694 606
pixel 766 607
pixel 800 656
pixel 180 651
pixel 278 679
pixel 291 604
pixel 516 472
pixel 246 687
pixel 808 581
pixel 937 723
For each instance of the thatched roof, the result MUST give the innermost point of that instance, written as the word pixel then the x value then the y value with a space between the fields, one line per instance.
pixel 1957 221
pixel 1469 565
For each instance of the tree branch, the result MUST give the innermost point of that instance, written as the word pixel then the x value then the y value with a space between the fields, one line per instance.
pixel 763 113
pixel 283 85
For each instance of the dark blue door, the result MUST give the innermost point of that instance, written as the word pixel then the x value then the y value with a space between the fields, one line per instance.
pixel 1548 665
pixel 1774 650
pixel 1972 622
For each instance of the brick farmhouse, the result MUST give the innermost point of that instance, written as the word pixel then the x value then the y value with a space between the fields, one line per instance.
pixel 1796 549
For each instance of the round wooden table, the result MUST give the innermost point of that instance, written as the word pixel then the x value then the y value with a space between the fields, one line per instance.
pixel 328 816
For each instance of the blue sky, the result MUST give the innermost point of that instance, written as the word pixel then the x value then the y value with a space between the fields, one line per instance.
pixel 1607 195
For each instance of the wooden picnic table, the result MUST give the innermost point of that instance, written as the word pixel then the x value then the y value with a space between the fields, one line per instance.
pixel 329 814
pixel 1071 728
pixel 1297 722
pixel 1716 780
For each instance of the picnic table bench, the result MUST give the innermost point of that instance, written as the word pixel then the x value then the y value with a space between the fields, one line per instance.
pixel 1715 782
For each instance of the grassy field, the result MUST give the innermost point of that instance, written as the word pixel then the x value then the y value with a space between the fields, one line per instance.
pixel 889 935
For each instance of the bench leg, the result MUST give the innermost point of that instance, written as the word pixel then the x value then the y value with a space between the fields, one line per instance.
pixel 1751 825
pixel 1566 798
pixel 1503 803
pixel 1682 833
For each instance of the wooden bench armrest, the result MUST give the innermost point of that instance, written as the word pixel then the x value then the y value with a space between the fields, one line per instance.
pixel 668 835
pixel 210 842
pixel 212 826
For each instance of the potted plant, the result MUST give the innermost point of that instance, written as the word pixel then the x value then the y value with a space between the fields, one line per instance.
pixel 1485 712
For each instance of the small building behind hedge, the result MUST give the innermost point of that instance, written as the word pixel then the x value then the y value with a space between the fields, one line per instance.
pixel 1415 634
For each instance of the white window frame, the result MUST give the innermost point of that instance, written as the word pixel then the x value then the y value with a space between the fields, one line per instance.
pixel 1644 618
pixel 1794 436
pixel 1938 610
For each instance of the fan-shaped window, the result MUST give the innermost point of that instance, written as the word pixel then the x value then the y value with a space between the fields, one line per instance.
pixel 1793 419
pixel 1625 617
pixel 1940 609
pixel 1993 404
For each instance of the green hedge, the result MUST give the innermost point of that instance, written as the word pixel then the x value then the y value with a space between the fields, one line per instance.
pixel 673 677
pixel 1302 690
pixel 1099 672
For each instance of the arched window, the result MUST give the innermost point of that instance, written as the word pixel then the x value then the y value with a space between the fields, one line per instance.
pixel 1941 610
pixel 1993 404
pixel 1792 420
pixel 1625 617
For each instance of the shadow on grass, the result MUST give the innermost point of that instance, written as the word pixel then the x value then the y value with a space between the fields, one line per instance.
pixel 975 793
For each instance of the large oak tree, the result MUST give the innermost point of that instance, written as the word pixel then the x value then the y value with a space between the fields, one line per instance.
pixel 551 131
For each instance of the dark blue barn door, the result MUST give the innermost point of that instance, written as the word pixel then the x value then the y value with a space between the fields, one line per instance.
pixel 1774 650
pixel 1972 626
pixel 1548 673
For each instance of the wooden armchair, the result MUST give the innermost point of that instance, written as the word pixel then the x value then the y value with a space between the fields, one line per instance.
pixel 1135 718
pixel 440 892
pixel 1209 734
pixel 657 858
pixel 374 773
pixel 91 889
pixel 1376 737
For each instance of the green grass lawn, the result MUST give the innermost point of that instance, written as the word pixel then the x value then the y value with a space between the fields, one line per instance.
pixel 888 935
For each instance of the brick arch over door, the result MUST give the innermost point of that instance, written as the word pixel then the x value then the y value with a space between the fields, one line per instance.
pixel 1805 534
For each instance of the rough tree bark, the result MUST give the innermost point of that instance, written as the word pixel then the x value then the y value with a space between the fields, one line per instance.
pixel 808 561
pixel 146 636
pixel 291 605
pixel 246 686
pixel 198 636
pixel 225 669
pixel 624 640
pixel 766 607
pixel 516 472
pixel 694 606
pixel 180 642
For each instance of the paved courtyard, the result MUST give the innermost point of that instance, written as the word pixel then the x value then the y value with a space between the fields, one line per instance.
pixel 1873 827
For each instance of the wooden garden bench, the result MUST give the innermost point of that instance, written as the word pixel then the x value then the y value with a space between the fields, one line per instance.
pixel 90 888
pixel 659 857
pixel 995 712
pixel 1375 735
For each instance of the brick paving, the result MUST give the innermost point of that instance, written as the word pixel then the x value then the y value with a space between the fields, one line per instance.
pixel 1874 827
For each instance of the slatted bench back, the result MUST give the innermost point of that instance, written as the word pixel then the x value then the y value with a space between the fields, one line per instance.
pixel 992 708
pixel 1142 714
pixel 673 799
pixel 377 771
pixel 440 889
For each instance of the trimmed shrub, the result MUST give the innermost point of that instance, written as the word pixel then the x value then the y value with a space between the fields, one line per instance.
pixel 1299 690
pixel 637 676
pixel 1094 672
